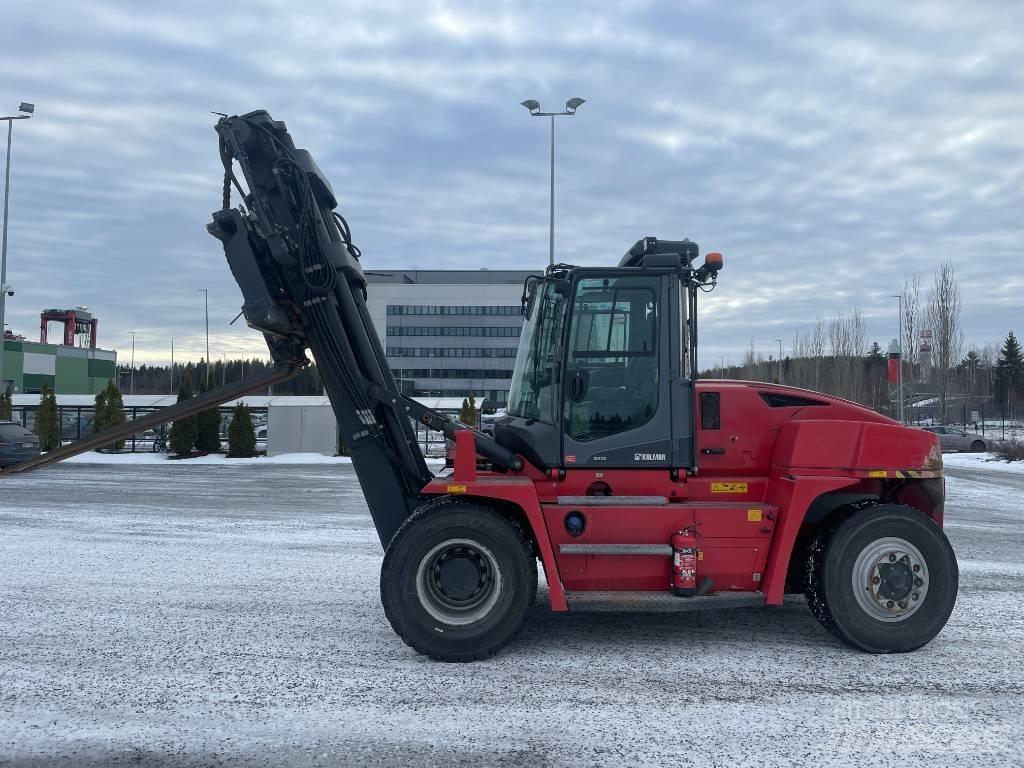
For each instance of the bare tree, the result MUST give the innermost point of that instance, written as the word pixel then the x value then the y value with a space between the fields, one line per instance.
pixel 943 313
pixel 911 323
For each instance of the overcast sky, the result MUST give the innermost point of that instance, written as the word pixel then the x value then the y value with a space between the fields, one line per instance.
pixel 827 149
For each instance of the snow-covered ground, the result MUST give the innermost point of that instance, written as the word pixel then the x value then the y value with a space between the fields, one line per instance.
pixel 220 616
pixel 983 461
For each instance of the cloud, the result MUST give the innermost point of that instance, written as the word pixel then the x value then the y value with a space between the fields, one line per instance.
pixel 827 149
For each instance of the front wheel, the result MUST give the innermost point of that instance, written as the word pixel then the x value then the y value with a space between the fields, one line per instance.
pixel 457 581
pixel 884 580
pixel 977 447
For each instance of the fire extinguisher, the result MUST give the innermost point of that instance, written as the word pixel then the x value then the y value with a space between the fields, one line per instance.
pixel 684 562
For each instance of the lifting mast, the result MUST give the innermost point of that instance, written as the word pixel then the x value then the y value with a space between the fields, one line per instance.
pixel 303 288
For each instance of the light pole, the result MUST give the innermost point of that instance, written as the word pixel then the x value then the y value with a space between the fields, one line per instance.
pixel 780 360
pixel 570 109
pixel 900 405
pixel 25 111
pixel 206 298
pixel 131 386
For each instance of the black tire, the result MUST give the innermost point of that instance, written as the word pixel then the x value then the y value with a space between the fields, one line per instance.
pixel 844 548
pixel 977 447
pixel 462 537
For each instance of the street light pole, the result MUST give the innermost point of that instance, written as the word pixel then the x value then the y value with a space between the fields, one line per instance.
pixel 26 111
pixel 901 405
pixel 570 109
pixel 206 297
pixel 131 390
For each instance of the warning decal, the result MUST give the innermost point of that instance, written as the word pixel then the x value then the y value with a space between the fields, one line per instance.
pixel 728 487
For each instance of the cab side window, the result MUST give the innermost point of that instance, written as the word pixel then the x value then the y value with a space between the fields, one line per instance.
pixel 611 382
pixel 710 410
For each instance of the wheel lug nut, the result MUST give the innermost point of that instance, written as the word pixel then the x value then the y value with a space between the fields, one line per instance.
pixel 876 580
pixel 892 558
pixel 918 582
pixel 917 568
pixel 915 596
pixel 889 604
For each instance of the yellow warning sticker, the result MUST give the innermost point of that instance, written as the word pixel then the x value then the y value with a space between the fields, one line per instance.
pixel 878 473
pixel 456 489
pixel 728 487
pixel 753 515
pixel 700 554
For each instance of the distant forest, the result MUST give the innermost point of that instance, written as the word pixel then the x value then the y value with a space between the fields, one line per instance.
pixel 156 379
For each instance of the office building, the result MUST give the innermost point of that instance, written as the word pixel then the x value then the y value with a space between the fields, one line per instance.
pixel 448 333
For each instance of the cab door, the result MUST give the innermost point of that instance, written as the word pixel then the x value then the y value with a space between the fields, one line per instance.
pixel 616 398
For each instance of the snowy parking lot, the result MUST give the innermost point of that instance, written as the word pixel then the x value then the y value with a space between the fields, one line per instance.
pixel 220 615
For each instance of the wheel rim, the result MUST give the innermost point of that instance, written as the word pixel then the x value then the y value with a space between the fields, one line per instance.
pixel 890 579
pixel 458 581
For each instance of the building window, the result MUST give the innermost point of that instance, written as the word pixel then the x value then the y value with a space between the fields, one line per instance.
pixel 485 331
pixel 420 309
pixel 507 353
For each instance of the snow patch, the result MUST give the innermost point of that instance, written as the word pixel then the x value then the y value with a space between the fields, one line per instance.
pixel 982 461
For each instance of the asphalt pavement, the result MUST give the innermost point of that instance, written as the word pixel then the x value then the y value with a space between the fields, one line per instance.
pixel 230 615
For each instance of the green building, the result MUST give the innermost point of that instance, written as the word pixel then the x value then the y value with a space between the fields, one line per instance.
pixel 68 370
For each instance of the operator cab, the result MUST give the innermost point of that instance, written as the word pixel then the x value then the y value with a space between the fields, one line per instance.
pixel 604 372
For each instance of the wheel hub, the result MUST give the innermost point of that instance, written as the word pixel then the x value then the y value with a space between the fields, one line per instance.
pixel 458 581
pixel 890 579
pixel 461 573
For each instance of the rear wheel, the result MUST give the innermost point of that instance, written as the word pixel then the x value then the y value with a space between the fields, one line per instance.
pixel 883 580
pixel 457 581
pixel 977 446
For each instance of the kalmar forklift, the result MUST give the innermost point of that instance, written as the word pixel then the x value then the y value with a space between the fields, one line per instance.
pixel 616 467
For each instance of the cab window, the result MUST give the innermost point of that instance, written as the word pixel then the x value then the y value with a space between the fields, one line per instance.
pixel 611 382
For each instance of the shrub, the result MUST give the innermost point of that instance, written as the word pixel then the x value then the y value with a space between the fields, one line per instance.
pixel 99 410
pixel 6 405
pixel 207 426
pixel 47 420
pixel 468 413
pixel 184 431
pixel 241 434
pixel 1009 450
pixel 113 411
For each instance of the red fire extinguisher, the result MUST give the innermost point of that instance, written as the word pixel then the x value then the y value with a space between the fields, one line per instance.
pixel 684 563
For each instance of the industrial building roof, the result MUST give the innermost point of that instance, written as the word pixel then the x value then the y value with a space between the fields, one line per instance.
pixel 451 276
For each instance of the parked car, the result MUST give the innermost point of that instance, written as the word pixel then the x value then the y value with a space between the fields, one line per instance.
pixel 17 444
pixel 956 439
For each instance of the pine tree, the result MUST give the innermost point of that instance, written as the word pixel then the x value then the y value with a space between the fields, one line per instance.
pixel 6 405
pixel 99 409
pixel 184 431
pixel 875 353
pixel 1009 371
pixel 467 413
pixel 241 434
pixel 48 420
pixel 113 411
pixel 208 426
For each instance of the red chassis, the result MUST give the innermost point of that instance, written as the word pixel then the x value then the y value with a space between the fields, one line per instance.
pixel 768 476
